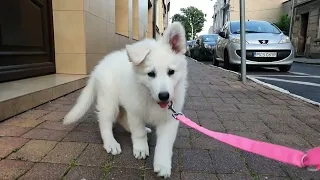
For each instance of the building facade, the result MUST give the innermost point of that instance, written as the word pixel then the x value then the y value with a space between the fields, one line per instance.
pixel 58 42
pixel 306 28
pixel 229 10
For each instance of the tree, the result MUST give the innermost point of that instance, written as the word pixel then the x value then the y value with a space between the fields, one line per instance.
pixel 284 23
pixel 192 19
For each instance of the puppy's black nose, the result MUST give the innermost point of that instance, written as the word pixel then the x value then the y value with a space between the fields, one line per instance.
pixel 163 96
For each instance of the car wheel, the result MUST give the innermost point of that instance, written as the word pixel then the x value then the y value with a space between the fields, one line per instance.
pixel 226 62
pixel 284 68
pixel 214 61
pixel 201 58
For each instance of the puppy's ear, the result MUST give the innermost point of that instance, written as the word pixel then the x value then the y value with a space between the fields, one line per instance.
pixel 174 35
pixel 136 53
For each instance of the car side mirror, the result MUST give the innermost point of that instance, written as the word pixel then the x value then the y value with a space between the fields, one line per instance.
pixel 222 34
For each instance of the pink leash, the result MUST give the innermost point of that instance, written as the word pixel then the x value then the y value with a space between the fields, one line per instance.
pixel 309 160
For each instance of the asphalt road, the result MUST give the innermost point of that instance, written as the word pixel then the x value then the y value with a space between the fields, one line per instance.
pixel 302 79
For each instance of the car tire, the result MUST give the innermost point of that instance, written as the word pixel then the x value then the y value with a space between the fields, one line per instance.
pixel 285 68
pixel 201 58
pixel 214 60
pixel 226 62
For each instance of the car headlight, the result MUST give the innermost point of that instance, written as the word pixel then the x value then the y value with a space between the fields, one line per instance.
pixel 236 40
pixel 206 46
pixel 284 39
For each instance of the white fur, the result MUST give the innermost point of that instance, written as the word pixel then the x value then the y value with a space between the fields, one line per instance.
pixel 126 94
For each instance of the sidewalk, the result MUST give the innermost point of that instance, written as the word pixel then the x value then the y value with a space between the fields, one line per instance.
pixel 307 60
pixel 35 145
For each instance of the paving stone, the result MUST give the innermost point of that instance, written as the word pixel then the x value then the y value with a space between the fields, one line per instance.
pixel 12 130
pixel 48 107
pixel 279 127
pixel 234 177
pixel 46 171
pixel 215 100
pixel 301 174
pixel 12 169
pixel 20 122
pixel 251 135
pixel 228 116
pixel 235 126
pixel 94 155
pixel 33 114
pixel 183 132
pixel 257 127
pixel 206 115
pixel 290 140
pixel 10 144
pixel 54 116
pixel 197 176
pixel 57 126
pixel 267 177
pixel 126 159
pixel 34 150
pixel 212 124
pixel 77 136
pixel 225 108
pixel 87 127
pixel 83 172
pixel 228 162
pixel 123 173
pixel 197 106
pixel 45 134
pixel 314 139
pixel 230 100
pixel 196 160
pixel 182 142
pixel 150 175
pixel 64 152
pixel 65 108
pixel 263 166
pixel 205 142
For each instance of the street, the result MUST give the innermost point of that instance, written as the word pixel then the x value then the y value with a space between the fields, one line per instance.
pixel 302 79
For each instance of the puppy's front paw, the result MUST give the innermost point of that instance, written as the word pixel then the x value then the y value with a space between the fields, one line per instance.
pixel 163 171
pixel 141 149
pixel 112 147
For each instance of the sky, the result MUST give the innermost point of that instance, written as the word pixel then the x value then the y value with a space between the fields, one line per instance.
pixel 205 5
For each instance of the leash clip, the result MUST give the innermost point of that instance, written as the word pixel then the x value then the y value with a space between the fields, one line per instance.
pixel 174 112
pixel 309 168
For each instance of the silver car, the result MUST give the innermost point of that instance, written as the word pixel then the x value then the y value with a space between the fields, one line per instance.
pixel 266 46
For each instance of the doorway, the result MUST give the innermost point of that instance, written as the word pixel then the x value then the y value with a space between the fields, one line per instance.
pixel 26 39
pixel 303 34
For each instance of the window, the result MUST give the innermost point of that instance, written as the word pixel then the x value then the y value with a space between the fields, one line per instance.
pixel 255 27
pixel 122 17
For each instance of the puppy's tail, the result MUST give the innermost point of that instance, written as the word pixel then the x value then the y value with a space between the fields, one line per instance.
pixel 83 103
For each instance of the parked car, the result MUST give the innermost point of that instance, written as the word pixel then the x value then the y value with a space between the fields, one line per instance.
pixel 266 45
pixel 204 47
pixel 189 45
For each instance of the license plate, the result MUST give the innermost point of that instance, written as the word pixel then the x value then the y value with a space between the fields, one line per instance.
pixel 265 54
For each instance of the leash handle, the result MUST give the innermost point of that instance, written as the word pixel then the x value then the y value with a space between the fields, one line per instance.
pixel 309 160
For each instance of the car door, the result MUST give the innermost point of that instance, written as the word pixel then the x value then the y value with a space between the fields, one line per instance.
pixel 224 41
pixel 220 43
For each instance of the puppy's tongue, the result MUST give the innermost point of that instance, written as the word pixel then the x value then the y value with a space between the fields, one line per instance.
pixel 163 104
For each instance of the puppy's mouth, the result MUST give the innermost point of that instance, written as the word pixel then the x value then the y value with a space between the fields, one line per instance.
pixel 163 104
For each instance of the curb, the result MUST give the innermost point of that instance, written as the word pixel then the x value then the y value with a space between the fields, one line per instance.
pixel 306 62
pixel 276 88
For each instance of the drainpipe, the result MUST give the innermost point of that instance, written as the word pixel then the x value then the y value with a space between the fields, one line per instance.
pixel 291 19
pixel 154 21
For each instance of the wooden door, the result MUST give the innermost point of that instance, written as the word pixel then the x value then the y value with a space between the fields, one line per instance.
pixel 26 39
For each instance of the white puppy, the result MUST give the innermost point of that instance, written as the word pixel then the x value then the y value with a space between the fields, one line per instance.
pixel 133 87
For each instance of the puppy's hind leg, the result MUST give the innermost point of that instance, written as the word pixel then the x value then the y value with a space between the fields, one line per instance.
pixel 107 113
pixel 123 121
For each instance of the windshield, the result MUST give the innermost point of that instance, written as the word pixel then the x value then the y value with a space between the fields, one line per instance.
pixel 210 38
pixel 254 27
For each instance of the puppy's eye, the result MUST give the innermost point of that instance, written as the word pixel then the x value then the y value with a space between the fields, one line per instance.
pixel 170 72
pixel 152 74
